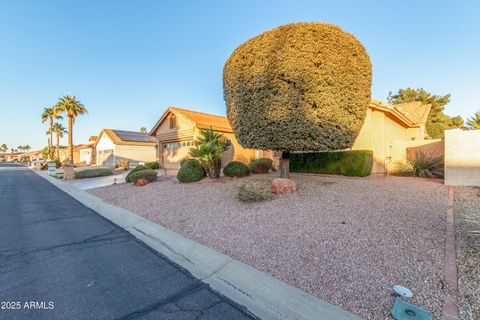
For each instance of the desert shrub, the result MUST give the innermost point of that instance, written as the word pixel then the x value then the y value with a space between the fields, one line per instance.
pixel 190 171
pixel 154 165
pixel 236 169
pixel 298 87
pixel 44 166
pixel 259 166
pixel 255 191
pixel 268 161
pixel 188 161
pixel 124 164
pixel 147 174
pixel 137 168
pixel 348 163
pixel 423 166
pixel 92 173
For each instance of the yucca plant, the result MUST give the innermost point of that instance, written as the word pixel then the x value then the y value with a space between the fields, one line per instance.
pixel 423 166
pixel 208 151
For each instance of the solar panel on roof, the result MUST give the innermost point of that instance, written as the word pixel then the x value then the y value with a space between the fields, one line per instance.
pixel 133 136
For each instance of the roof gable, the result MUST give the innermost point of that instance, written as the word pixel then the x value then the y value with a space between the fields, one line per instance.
pixel 199 119
pixel 124 137
pixel 411 114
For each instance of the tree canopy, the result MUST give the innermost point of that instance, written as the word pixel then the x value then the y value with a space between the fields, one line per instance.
pixel 437 120
pixel 474 121
pixel 301 86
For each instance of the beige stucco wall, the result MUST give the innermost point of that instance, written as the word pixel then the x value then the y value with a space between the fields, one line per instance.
pixel 135 153
pixel 387 138
pixel 462 157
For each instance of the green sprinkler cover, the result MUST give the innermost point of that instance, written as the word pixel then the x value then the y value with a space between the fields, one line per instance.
pixel 406 311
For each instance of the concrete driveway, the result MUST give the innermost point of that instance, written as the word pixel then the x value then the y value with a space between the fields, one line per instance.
pixel 61 260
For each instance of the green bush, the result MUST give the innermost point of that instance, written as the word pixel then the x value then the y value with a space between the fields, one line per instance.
pixel 255 191
pixel 259 166
pixel 268 161
pixel 188 161
pixel 348 163
pixel 92 173
pixel 148 174
pixel 190 171
pixel 298 87
pixel 137 168
pixel 152 165
pixel 236 169
pixel 423 166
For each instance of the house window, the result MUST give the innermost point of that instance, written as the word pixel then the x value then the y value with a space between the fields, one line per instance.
pixel 173 121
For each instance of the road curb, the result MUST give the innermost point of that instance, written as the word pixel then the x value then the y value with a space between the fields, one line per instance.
pixel 450 309
pixel 263 295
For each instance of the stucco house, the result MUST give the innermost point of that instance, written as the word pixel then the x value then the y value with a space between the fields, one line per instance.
pixel 86 152
pixel 389 130
pixel 177 128
pixel 115 145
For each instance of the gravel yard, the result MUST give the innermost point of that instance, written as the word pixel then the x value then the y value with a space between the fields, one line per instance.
pixel 467 215
pixel 344 240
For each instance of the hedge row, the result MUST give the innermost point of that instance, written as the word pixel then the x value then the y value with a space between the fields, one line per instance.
pixel 348 163
pixel 92 173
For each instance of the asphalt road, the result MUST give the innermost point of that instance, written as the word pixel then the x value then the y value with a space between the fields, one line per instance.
pixel 61 260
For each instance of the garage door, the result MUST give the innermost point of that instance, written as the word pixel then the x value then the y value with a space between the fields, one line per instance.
pixel 174 152
pixel 105 158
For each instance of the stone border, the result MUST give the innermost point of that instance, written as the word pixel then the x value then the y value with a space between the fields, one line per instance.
pixel 450 309
pixel 263 295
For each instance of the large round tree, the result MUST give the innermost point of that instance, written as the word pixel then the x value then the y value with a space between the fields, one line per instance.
pixel 298 87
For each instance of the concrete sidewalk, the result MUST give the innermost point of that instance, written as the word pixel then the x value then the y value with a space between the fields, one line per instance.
pixel 262 294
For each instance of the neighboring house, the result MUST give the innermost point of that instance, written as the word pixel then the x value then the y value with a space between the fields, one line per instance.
pixel 115 145
pixel 63 152
pixel 389 130
pixel 15 156
pixel 178 128
pixel 87 152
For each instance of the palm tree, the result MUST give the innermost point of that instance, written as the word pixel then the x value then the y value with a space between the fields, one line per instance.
pixel 50 114
pixel 474 122
pixel 73 108
pixel 59 130
pixel 208 150
pixel 3 148
pixel 143 129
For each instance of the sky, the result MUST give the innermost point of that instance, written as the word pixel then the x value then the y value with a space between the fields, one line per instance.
pixel 127 61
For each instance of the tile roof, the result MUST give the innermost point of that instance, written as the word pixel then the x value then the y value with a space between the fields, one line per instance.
pixel 416 111
pixel 204 120
pixel 200 119
pixel 411 114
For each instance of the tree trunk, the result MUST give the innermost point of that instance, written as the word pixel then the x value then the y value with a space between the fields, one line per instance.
pixel 50 147
pixel 58 147
pixel 285 165
pixel 216 168
pixel 70 138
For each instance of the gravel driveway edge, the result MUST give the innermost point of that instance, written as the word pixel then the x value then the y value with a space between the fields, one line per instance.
pixel 262 294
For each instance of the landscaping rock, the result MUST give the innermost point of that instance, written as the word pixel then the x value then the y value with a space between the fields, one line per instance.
pixel 141 182
pixel 282 186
